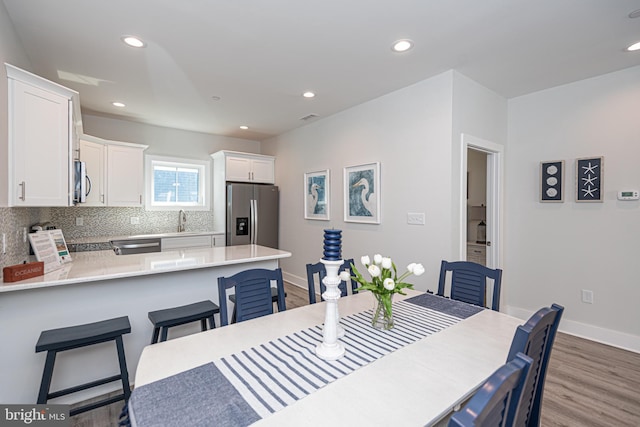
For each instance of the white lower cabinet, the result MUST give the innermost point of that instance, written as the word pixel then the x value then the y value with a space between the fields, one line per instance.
pixel 219 240
pixel 197 241
pixel 184 242
pixel 477 252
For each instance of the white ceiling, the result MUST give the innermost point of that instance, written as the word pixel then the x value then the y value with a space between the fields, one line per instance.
pixel 258 56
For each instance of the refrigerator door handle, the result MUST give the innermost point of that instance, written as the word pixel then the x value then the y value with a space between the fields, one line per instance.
pixel 251 222
pixel 255 222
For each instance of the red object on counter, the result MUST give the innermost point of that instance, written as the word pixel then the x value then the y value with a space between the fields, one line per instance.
pixel 13 273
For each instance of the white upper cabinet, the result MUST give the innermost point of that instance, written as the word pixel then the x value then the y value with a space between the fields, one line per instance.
pixel 95 157
pixel 245 167
pixel 41 139
pixel 116 171
pixel 125 175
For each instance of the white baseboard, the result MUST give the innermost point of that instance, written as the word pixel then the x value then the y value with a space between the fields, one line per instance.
pixel 594 333
pixel 298 281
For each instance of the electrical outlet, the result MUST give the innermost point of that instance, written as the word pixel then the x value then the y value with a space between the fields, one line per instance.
pixel 4 243
pixel 415 218
pixel 79 221
pixel 135 220
pixel 587 296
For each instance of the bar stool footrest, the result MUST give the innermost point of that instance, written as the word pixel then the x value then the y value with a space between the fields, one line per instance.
pixel 89 407
pixel 84 386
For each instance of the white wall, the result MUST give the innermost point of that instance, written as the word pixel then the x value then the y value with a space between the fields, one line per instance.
pixel 554 250
pixel 162 140
pixel 479 113
pixel 409 133
pixel 10 52
pixel 415 133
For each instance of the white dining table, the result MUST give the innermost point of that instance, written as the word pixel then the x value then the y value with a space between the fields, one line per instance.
pixel 416 385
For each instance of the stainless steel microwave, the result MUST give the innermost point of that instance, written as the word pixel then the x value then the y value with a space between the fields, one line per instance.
pixel 82 183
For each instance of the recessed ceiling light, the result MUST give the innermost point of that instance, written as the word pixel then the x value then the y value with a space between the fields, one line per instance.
pixel 634 14
pixel 133 41
pixel 633 47
pixel 243 127
pixel 215 98
pixel 308 94
pixel 117 104
pixel 402 45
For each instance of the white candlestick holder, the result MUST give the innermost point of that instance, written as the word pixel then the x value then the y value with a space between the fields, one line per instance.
pixel 330 348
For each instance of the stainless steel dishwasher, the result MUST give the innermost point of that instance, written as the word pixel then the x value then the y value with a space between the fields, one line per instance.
pixel 136 246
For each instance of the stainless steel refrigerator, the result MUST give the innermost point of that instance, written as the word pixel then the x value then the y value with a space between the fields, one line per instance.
pixel 252 214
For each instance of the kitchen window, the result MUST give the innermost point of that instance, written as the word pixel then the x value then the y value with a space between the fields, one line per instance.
pixel 174 183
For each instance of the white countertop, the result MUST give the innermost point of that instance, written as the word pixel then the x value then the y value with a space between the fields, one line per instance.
pixel 106 265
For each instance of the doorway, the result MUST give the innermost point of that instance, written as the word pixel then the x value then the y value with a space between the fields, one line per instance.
pixel 481 201
pixel 476 206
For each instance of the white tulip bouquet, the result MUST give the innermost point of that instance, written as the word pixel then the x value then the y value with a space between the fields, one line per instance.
pixel 384 283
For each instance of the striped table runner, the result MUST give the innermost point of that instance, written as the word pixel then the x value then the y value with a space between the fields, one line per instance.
pixel 247 386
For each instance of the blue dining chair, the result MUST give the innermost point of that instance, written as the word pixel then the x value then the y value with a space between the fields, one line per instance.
pixel 496 402
pixel 318 270
pixel 469 282
pixel 252 294
pixel 535 339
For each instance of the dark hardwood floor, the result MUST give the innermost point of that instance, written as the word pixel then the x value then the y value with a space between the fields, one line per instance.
pixel 588 384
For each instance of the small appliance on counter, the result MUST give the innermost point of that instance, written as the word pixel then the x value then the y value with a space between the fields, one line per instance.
pixel 41 226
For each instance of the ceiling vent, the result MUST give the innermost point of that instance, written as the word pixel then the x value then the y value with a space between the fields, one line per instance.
pixel 309 117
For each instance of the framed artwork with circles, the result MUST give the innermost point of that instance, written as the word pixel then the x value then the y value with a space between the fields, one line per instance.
pixel 552 181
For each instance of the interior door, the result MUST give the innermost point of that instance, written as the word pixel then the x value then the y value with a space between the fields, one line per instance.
pixel 494 167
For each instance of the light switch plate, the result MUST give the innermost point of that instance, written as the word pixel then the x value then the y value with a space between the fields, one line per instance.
pixel 415 218
pixel 587 296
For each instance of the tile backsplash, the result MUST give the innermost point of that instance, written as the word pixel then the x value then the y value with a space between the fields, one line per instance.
pixel 14 222
pixel 97 222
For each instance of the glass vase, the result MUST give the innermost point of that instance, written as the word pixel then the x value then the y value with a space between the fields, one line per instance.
pixel 382 312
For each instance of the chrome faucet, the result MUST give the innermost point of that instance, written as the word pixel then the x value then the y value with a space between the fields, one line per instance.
pixel 182 218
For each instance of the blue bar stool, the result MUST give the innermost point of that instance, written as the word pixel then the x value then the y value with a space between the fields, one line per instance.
pixel 164 319
pixel 56 340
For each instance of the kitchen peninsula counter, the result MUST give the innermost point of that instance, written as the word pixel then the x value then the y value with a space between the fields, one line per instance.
pixel 104 265
pixel 99 285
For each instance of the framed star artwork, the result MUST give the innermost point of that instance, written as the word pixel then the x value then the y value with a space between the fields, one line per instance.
pixel 552 181
pixel 589 177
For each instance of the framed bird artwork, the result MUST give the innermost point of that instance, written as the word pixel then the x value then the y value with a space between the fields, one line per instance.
pixel 317 187
pixel 362 193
